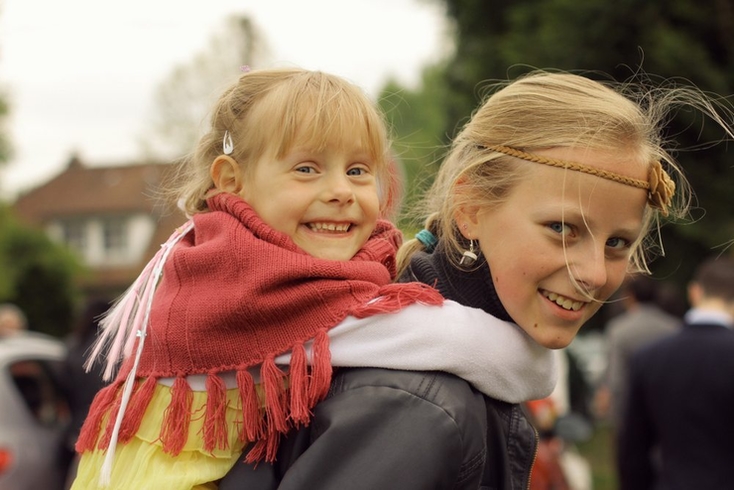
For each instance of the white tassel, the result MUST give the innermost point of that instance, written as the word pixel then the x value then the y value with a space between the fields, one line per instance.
pixel 121 323
pixel 126 321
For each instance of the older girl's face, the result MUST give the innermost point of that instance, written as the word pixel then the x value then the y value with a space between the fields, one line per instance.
pixel 560 244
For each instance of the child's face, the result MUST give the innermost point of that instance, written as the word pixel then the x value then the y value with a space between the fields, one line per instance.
pixel 558 222
pixel 326 201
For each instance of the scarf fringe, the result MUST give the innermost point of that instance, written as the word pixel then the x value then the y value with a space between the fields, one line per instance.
pixel 273 380
pixel 298 377
pixel 394 297
pixel 215 417
pixel 252 427
pixel 264 449
pixel 281 402
pixel 176 420
pixel 136 409
pixel 104 441
pixel 101 405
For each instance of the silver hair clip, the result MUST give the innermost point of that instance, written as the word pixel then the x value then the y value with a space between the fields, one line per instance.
pixel 227 145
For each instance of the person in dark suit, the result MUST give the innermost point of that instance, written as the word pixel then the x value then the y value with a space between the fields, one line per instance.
pixel 678 427
pixel 642 323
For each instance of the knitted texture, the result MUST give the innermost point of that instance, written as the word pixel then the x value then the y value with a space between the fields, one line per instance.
pixel 472 288
pixel 234 294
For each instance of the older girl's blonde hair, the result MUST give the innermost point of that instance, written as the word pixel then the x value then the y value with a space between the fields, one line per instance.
pixel 271 110
pixel 543 110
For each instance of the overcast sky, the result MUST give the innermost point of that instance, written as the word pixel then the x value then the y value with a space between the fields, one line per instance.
pixel 80 74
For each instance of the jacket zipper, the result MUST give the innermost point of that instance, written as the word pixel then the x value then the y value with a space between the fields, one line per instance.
pixel 535 456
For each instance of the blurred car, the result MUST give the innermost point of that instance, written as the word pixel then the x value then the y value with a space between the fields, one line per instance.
pixel 34 414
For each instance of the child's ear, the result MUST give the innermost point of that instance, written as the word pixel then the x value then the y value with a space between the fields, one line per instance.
pixel 226 174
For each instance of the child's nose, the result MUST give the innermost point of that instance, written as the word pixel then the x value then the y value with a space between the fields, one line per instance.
pixel 337 188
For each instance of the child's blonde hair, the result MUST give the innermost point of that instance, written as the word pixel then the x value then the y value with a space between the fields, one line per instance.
pixel 271 110
pixel 545 110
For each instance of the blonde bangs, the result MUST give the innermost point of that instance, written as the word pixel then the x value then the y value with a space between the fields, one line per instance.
pixel 317 111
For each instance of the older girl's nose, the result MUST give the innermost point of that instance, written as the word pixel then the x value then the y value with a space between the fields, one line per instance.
pixel 589 269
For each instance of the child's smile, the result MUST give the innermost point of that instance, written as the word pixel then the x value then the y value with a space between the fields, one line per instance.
pixel 329 227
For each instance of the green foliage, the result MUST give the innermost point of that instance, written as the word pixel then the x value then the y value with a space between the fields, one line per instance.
pixel 38 276
pixel 684 41
pixel 599 452
pixel 416 119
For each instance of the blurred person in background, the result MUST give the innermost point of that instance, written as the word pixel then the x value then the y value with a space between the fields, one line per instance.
pixel 677 427
pixel 643 321
pixel 12 320
pixel 81 385
pixel 560 424
pixel 672 298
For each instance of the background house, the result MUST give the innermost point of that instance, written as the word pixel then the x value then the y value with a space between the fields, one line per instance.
pixel 113 218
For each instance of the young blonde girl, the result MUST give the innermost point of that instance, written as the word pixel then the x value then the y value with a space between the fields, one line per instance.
pixel 229 336
pixel 544 203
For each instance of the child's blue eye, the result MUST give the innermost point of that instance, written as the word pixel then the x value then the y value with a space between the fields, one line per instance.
pixel 305 169
pixel 356 171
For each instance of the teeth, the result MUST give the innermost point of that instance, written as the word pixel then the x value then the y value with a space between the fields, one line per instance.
pixel 563 302
pixel 329 227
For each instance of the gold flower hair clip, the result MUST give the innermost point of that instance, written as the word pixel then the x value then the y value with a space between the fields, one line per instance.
pixel 660 187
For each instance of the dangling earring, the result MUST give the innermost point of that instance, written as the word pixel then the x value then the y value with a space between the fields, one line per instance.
pixel 469 256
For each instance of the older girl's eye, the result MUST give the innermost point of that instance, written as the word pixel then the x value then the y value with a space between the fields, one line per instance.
pixel 618 243
pixel 305 169
pixel 560 228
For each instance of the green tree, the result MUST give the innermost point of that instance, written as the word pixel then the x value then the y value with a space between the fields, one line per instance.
pixel 38 276
pixel 416 118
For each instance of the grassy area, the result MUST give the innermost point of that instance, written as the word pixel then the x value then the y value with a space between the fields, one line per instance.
pixel 599 452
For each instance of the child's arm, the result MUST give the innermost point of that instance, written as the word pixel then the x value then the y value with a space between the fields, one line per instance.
pixel 497 357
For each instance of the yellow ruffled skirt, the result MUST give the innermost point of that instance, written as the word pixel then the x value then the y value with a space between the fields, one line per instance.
pixel 141 464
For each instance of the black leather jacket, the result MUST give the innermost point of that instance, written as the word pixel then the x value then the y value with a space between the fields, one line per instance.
pixel 381 429
pixel 400 430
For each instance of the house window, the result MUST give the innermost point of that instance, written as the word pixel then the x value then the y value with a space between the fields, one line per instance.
pixel 75 236
pixel 114 235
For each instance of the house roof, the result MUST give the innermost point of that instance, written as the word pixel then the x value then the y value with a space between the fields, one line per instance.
pixel 80 190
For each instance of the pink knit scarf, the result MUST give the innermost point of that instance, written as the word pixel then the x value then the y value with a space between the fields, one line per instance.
pixel 234 294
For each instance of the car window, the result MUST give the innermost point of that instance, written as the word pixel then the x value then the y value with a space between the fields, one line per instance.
pixel 40 389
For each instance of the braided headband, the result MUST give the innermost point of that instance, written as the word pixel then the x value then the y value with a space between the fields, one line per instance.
pixel 660 187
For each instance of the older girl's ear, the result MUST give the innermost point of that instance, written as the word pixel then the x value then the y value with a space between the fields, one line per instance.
pixel 226 174
pixel 466 215
pixel 467 220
